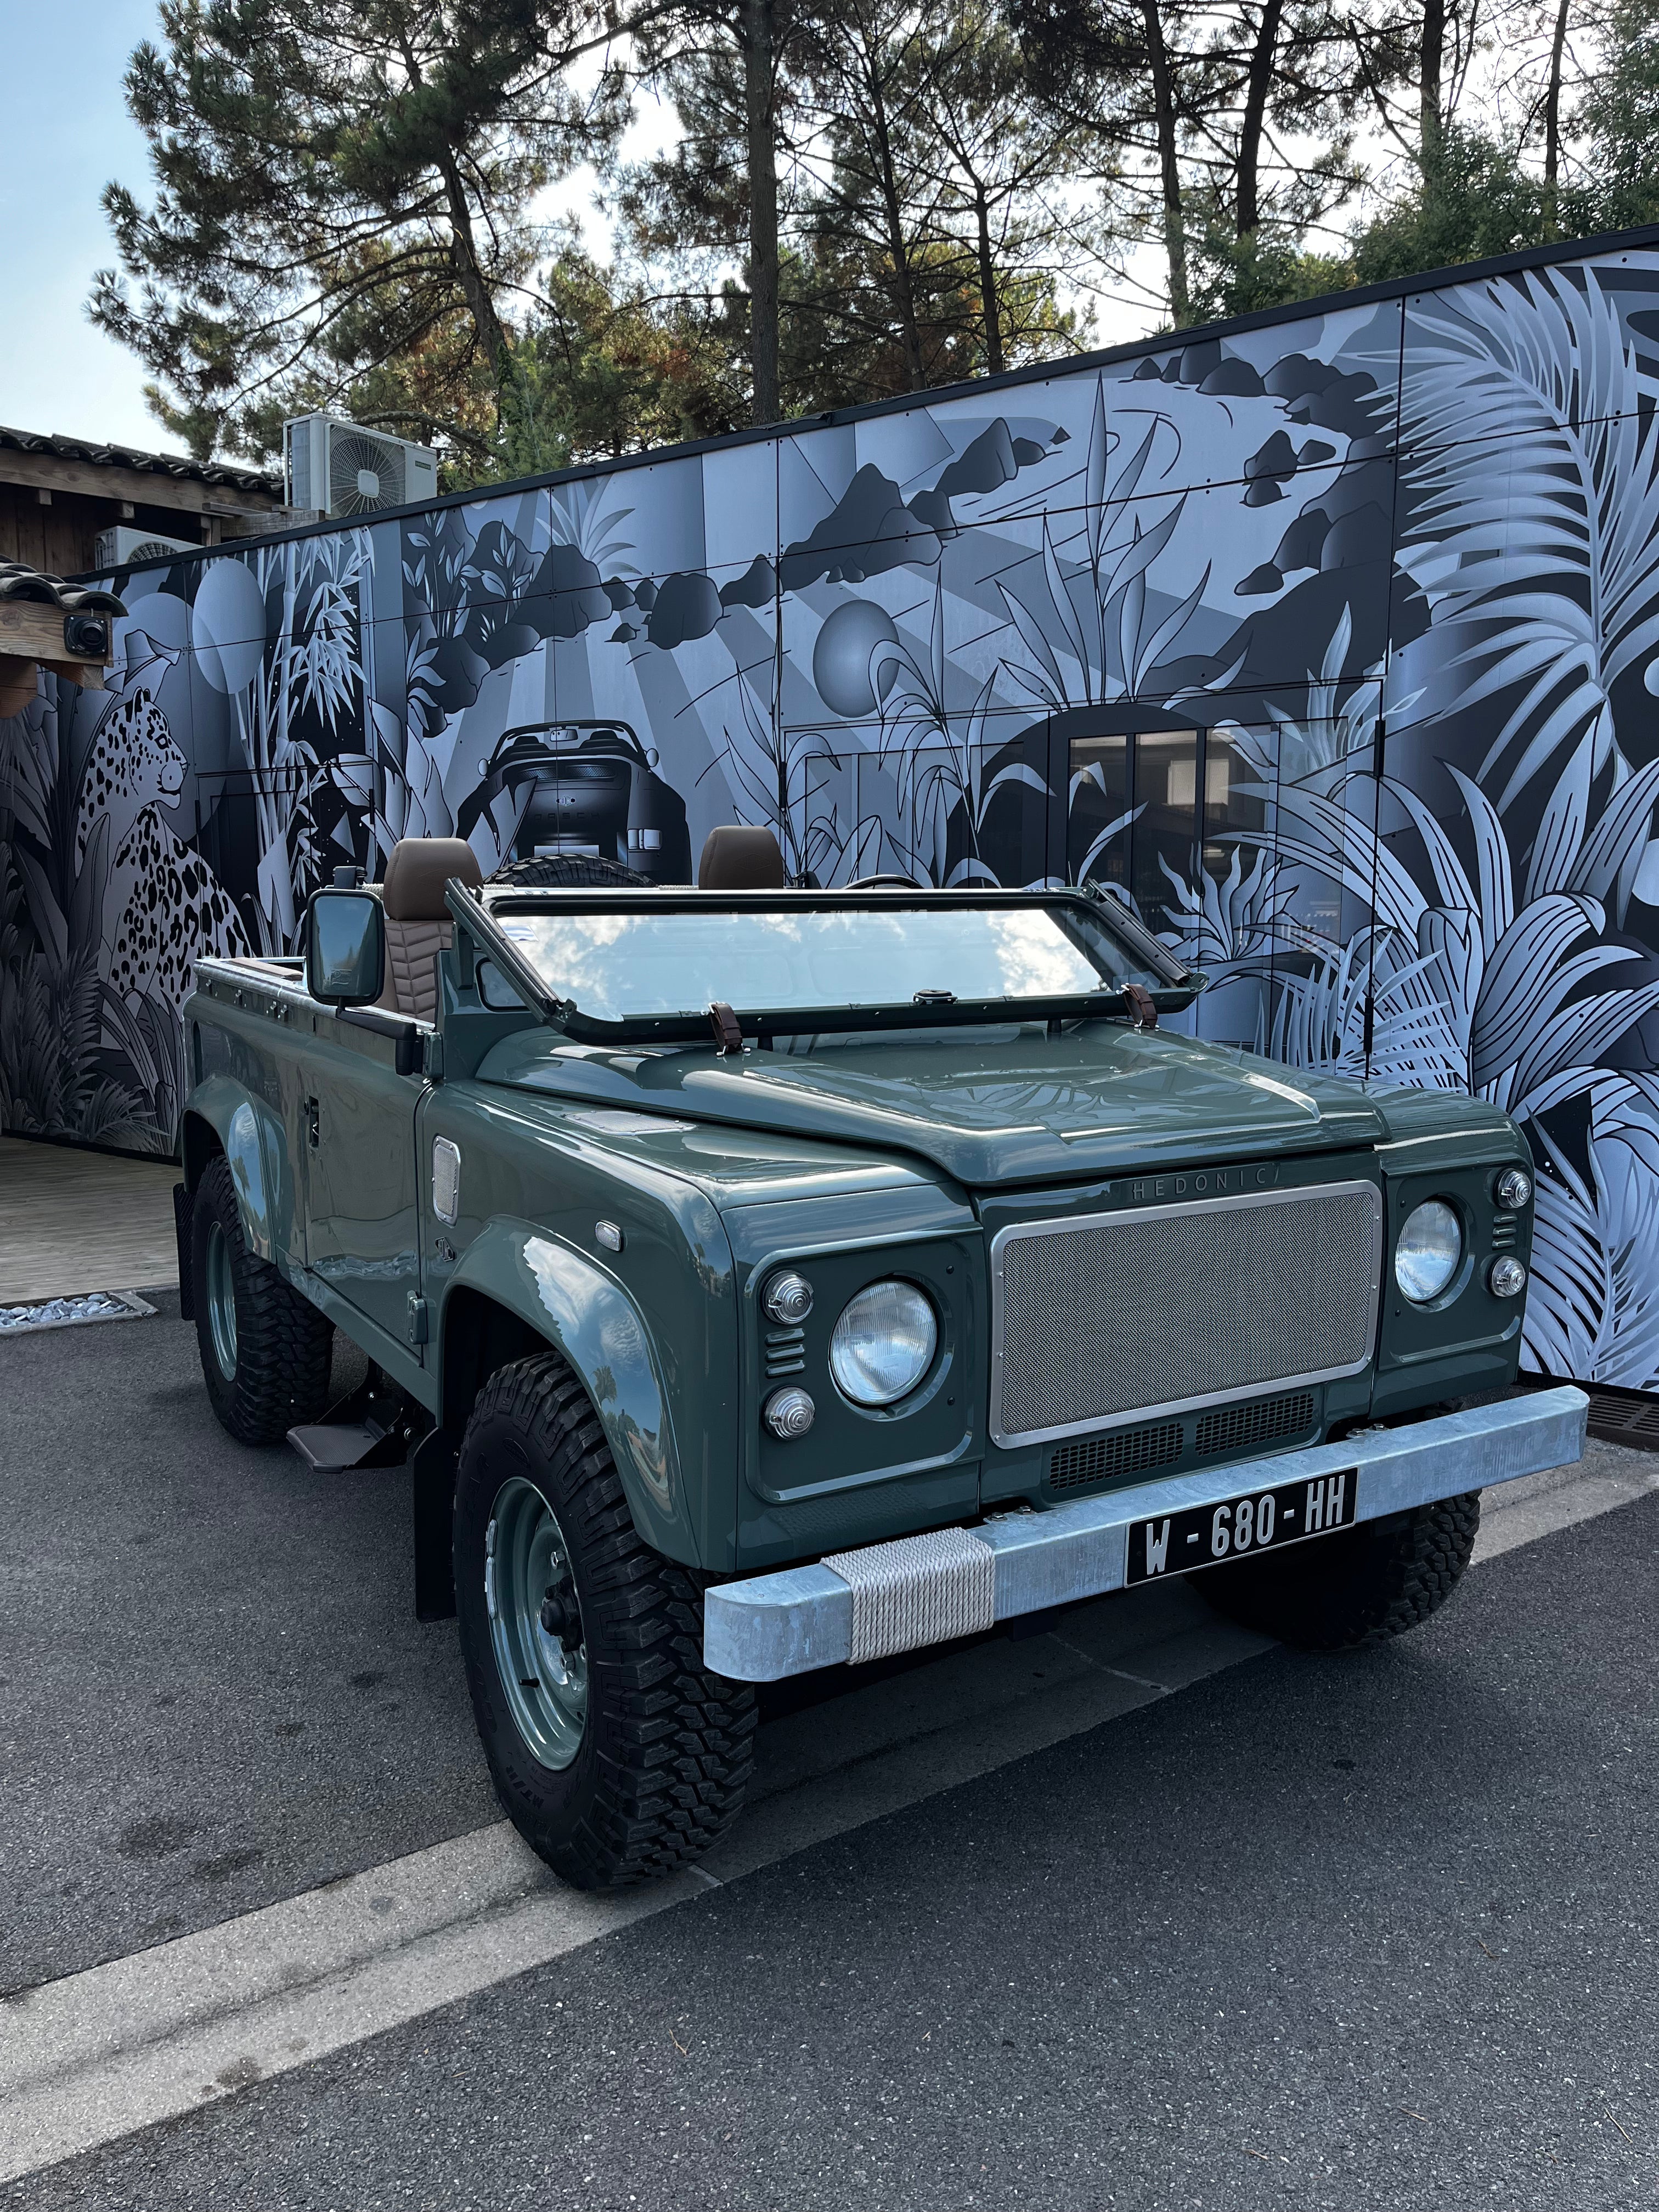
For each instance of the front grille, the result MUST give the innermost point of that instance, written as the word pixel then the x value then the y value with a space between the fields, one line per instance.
pixel 1235 1428
pixel 1163 1308
pixel 1097 1459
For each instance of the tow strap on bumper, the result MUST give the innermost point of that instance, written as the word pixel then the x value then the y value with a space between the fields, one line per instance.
pixel 901 1595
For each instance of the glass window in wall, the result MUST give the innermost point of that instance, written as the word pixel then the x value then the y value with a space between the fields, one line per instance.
pixel 1235 800
pixel 1165 792
pixel 1097 832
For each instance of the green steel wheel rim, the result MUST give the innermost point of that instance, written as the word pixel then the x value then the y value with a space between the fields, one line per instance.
pixel 544 1676
pixel 222 1301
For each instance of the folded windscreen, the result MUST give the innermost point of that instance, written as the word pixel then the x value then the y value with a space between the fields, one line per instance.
pixel 615 966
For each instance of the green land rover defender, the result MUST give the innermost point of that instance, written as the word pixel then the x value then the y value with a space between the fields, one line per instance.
pixel 762 1279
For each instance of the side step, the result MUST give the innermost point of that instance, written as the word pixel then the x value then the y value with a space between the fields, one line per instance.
pixel 373 1426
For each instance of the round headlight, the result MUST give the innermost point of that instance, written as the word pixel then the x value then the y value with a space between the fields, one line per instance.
pixel 884 1343
pixel 1514 1189
pixel 1430 1245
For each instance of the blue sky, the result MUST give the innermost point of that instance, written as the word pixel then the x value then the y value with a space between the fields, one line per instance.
pixel 66 135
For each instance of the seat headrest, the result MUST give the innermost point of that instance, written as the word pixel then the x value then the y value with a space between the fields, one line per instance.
pixel 418 870
pixel 736 858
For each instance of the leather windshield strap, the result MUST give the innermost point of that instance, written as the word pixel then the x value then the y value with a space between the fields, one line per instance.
pixel 728 1030
pixel 1142 1005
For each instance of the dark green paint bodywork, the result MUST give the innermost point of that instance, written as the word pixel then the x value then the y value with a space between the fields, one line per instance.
pixel 851 1159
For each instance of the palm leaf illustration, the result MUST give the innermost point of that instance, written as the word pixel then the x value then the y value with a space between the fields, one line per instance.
pixel 1530 453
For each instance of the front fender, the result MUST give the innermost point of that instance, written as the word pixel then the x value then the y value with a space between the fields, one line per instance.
pixel 567 1297
pixel 255 1146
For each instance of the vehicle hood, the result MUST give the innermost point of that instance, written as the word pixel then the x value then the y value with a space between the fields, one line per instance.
pixel 1107 1099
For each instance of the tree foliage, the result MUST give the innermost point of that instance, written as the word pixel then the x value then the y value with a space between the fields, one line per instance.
pixel 342 195
pixel 350 206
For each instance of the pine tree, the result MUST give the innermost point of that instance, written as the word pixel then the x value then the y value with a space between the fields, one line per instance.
pixel 342 207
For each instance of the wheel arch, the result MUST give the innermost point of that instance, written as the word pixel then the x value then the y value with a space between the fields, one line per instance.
pixel 199 1144
pixel 222 1117
pixel 520 1290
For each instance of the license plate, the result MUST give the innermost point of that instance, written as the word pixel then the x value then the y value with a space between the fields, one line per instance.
pixel 1262 1521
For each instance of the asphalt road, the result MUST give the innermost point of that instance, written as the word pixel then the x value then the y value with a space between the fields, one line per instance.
pixel 1374 1932
pixel 213 1687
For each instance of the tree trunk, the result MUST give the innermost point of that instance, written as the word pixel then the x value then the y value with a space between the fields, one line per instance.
pixel 904 297
pixel 1255 112
pixel 464 251
pixel 990 307
pixel 759 70
pixel 1432 64
pixel 1174 235
pixel 1552 124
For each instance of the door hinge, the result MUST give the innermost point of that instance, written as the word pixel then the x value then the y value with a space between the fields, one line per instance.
pixel 313 1124
pixel 417 1319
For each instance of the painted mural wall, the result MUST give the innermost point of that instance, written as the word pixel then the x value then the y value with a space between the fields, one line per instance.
pixel 1333 645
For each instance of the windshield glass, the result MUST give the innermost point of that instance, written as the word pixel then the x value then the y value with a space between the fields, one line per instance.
pixel 615 966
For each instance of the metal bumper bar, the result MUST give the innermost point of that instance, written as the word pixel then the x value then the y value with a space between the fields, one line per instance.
pixel 803 1618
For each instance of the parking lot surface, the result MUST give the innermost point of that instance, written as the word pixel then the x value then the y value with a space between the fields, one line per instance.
pixel 1369 1931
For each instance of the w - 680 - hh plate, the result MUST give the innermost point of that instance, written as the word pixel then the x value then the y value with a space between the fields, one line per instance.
pixel 1260 1521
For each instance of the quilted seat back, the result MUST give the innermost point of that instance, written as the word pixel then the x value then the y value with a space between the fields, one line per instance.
pixel 418 923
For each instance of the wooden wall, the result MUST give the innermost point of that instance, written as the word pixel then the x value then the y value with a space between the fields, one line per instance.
pixel 61 538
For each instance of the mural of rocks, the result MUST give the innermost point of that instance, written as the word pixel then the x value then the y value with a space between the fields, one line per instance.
pixel 1333 643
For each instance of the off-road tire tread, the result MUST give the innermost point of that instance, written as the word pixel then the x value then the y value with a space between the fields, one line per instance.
pixel 1387 1576
pixel 284 1346
pixel 568 872
pixel 678 1748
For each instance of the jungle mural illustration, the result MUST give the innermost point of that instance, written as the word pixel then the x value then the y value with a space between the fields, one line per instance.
pixel 1332 646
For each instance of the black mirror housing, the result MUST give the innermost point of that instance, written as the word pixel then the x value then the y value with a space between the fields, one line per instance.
pixel 345 948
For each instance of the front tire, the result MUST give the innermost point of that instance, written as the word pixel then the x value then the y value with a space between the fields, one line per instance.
pixel 614 1751
pixel 1363 1586
pixel 265 1351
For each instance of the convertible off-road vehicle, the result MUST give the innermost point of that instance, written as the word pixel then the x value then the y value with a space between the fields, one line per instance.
pixel 765 1280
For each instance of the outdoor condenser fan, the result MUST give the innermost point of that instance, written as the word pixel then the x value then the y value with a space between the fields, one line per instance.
pixel 365 473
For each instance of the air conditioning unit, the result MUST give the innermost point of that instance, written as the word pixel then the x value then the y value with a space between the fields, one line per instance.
pixel 123 546
pixel 337 467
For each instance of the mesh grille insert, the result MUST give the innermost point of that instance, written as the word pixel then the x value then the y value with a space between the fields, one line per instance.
pixel 1236 1426
pixel 1098 1458
pixel 1170 1306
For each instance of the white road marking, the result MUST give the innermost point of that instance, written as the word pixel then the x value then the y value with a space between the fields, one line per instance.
pixel 1539 1504
pixel 119 2047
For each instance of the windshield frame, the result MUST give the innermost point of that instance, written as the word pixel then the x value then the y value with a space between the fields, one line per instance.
pixel 476 911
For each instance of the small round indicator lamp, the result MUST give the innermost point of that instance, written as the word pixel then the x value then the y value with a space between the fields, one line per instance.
pixel 1514 1189
pixel 1508 1278
pixel 788 1299
pixel 789 1413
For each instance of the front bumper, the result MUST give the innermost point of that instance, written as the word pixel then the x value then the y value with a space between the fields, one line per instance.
pixel 802 1619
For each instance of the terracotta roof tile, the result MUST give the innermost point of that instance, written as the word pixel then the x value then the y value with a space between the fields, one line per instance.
pixel 128 457
pixel 18 582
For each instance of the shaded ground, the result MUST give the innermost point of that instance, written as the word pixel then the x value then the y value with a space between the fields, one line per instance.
pixel 1375 1932
pixel 213 1688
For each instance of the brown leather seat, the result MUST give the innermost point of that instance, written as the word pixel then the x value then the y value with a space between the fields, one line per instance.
pixel 737 858
pixel 418 923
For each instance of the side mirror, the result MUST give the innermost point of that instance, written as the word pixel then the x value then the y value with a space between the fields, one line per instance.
pixel 345 948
